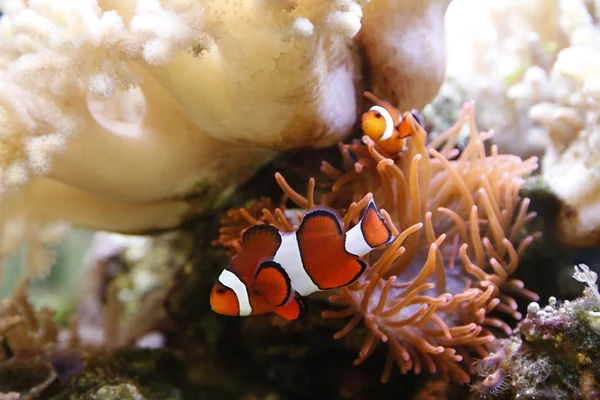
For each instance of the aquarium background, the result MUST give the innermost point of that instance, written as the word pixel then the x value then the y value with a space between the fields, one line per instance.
pixel 139 140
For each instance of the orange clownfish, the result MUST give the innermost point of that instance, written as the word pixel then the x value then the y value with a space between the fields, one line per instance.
pixel 275 269
pixel 385 125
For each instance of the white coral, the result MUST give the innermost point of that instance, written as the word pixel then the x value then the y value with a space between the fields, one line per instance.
pixel 571 119
pixel 500 54
pixel 137 115
pixel 65 112
pixel 539 74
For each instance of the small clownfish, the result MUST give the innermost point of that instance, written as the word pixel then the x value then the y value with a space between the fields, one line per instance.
pixel 275 269
pixel 385 125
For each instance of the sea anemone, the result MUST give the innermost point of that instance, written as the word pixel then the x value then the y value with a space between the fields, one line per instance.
pixel 466 200
pixel 456 216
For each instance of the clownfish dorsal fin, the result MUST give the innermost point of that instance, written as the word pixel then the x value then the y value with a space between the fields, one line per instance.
pixel 261 236
pixel 321 221
pixel 294 310
pixel 273 284
pixel 258 242
pixel 389 107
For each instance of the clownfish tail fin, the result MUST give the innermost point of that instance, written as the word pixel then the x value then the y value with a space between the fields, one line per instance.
pixel 374 227
pixel 371 232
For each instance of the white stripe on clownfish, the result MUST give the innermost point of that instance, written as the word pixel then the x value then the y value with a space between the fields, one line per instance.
pixel 389 122
pixel 288 256
pixel 282 267
pixel 231 280
pixel 355 241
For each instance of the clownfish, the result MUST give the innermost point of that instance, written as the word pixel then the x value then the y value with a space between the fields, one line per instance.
pixel 385 125
pixel 276 269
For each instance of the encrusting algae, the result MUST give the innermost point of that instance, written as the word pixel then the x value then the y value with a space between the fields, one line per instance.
pixel 553 353
pixel 457 218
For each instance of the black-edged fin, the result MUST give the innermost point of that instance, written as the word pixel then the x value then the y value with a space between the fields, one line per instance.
pixel 273 284
pixel 361 270
pixel 323 221
pixel 261 236
pixel 321 242
pixel 358 266
pixel 258 243
pixel 374 227
pixel 294 310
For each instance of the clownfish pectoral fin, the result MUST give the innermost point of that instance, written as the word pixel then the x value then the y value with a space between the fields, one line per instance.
pixel 273 284
pixel 374 227
pixel 294 310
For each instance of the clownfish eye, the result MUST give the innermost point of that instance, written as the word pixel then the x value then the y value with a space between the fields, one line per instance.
pixel 419 118
pixel 377 114
pixel 221 291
